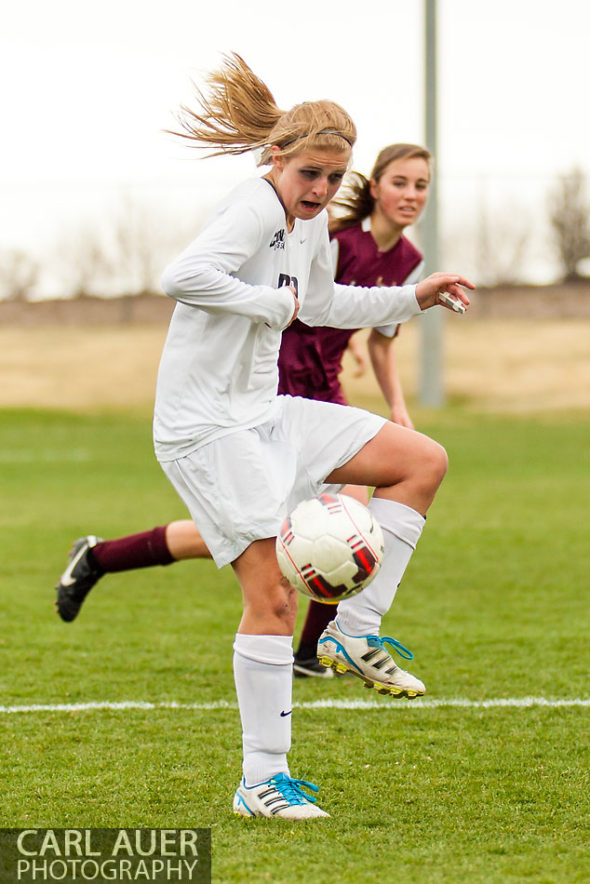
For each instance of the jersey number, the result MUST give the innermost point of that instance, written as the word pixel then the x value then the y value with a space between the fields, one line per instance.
pixel 285 279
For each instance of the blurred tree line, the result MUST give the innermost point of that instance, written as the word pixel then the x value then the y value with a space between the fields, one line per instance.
pixel 505 243
pixel 123 257
pixel 570 220
pixel 126 256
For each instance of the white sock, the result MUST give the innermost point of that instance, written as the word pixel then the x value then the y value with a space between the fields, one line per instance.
pixel 402 527
pixel 263 672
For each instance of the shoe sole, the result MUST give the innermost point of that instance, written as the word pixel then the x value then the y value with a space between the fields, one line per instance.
pixel 61 604
pixel 246 814
pixel 390 690
pixel 282 819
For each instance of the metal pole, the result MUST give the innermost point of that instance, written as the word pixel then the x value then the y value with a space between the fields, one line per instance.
pixel 431 350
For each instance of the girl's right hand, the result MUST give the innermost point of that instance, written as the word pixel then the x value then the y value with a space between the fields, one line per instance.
pixel 295 306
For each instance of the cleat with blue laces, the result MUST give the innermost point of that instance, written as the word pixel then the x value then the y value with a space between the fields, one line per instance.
pixel 366 657
pixel 281 797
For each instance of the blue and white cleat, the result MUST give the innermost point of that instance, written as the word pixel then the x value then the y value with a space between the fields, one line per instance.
pixel 280 797
pixel 365 656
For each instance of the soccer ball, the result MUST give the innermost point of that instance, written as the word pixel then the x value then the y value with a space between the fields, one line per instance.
pixel 330 547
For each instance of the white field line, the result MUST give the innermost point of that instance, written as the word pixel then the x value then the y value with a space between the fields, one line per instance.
pixel 414 705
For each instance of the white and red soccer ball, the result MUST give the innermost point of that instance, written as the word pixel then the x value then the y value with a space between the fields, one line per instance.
pixel 330 547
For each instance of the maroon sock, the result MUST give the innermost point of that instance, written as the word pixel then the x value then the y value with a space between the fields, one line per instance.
pixel 318 617
pixel 134 551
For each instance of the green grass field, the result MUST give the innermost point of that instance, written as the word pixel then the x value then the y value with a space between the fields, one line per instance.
pixel 495 606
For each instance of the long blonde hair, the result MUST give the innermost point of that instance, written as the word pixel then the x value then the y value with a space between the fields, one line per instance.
pixel 355 200
pixel 240 114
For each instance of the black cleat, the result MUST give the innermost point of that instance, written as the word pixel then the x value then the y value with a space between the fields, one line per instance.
pixel 78 579
pixel 310 668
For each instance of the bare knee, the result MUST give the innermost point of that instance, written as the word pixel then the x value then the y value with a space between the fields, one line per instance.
pixel 271 610
pixel 424 471
pixel 428 466
pixel 426 481
pixel 436 462
pixel 281 603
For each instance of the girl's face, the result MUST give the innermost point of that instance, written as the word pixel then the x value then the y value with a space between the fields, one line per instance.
pixel 402 190
pixel 306 182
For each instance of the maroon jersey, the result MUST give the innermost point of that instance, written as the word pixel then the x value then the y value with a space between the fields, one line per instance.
pixel 310 359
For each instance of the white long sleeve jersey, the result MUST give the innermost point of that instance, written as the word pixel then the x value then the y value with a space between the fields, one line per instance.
pixel 218 372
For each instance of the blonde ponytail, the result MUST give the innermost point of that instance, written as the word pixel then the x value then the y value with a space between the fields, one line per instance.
pixel 236 116
pixel 240 114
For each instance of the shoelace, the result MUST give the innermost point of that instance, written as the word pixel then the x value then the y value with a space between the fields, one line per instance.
pixel 292 791
pixel 376 641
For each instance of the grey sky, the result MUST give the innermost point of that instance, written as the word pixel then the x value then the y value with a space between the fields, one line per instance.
pixel 89 87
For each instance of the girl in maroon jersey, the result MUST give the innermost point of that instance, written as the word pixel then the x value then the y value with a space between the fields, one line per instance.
pixel 369 248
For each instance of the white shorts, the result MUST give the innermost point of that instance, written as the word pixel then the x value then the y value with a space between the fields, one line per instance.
pixel 239 488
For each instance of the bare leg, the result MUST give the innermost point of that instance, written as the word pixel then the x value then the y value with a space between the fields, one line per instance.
pixel 91 558
pixel 270 602
pixel 184 541
pixel 402 464
pixel 407 469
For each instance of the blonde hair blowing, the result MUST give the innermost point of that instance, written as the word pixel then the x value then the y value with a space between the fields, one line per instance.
pixel 240 114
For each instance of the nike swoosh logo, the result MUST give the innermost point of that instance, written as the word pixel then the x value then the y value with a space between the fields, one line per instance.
pixel 66 578
pixel 284 714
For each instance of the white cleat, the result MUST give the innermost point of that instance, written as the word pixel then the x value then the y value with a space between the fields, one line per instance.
pixel 280 797
pixel 366 657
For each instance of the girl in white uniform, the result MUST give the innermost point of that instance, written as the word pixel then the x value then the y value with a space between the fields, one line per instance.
pixel 242 457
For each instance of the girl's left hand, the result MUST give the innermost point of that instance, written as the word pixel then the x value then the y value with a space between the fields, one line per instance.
pixel 428 290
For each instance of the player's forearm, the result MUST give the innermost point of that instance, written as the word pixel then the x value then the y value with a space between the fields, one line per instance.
pixel 384 362
pixel 201 284
pixel 367 307
pixel 385 370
